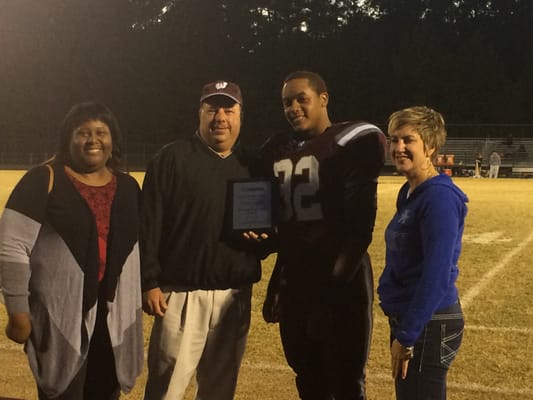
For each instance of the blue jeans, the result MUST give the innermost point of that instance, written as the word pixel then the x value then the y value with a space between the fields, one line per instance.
pixel 434 352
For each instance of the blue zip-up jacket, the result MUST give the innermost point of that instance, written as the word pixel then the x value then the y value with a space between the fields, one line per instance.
pixel 423 245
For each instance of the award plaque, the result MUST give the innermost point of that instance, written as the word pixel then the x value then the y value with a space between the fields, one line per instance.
pixel 251 205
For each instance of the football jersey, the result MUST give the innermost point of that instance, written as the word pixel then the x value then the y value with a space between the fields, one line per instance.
pixel 327 184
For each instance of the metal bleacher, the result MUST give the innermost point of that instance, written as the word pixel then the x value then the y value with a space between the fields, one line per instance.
pixel 517 155
pixel 459 155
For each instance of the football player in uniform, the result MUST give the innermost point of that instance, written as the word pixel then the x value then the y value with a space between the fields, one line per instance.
pixel 321 290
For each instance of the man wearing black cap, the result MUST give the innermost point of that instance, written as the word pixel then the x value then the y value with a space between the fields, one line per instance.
pixel 196 281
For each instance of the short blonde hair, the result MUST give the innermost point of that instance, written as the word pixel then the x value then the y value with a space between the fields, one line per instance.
pixel 428 123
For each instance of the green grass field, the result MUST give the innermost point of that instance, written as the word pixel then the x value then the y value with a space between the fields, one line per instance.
pixel 496 285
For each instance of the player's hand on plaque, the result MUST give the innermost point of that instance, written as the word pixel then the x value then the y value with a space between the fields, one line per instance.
pixel 254 236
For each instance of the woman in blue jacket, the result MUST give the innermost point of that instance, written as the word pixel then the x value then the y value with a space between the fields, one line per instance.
pixel 423 241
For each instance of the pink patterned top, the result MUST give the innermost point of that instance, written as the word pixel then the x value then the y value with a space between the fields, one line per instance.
pixel 99 199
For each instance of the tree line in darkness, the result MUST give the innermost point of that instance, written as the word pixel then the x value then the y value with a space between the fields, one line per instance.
pixel 147 60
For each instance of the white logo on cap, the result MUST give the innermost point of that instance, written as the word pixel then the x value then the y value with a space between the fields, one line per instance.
pixel 221 85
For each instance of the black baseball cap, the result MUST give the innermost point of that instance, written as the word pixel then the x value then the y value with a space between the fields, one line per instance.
pixel 222 88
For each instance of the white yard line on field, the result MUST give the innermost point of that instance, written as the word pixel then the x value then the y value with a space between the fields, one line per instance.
pixel 524 331
pixel 472 387
pixel 485 279
pixel 373 376
pixel 268 366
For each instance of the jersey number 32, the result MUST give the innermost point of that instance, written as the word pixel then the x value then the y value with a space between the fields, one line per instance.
pixel 292 196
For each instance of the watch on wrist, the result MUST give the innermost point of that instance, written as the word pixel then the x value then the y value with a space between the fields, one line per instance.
pixel 409 352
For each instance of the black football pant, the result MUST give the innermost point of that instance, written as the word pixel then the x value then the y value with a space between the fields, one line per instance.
pixel 327 340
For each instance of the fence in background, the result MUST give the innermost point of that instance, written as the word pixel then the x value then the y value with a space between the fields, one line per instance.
pixel 517 155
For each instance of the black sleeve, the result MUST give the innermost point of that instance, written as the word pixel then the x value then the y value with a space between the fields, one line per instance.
pixel 362 162
pixel 151 224
pixel 30 195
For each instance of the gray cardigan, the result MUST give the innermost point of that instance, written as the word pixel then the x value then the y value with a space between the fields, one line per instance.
pixel 49 266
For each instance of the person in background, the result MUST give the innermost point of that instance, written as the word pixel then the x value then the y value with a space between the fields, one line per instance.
pixel 417 288
pixel 69 262
pixel 321 289
pixel 197 278
pixel 494 164
pixel 477 168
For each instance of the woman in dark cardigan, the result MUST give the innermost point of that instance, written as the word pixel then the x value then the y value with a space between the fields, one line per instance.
pixel 69 264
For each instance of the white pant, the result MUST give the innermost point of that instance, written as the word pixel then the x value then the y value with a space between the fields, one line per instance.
pixel 493 171
pixel 203 331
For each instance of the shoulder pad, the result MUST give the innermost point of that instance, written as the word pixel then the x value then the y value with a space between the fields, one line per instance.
pixel 354 131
